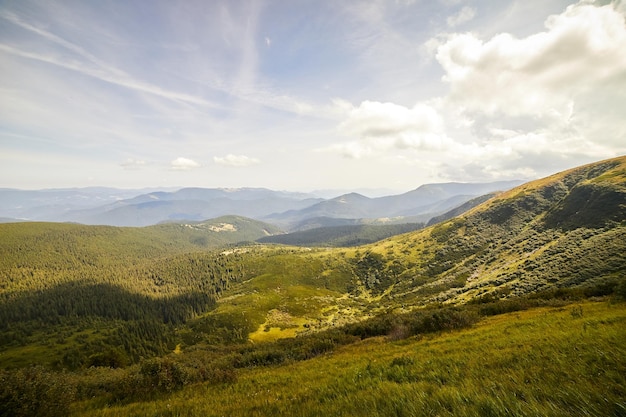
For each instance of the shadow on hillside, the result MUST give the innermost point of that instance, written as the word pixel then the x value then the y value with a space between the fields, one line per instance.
pixel 80 300
pixel 588 205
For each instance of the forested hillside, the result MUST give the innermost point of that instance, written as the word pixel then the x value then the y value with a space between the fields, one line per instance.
pixel 349 235
pixel 78 291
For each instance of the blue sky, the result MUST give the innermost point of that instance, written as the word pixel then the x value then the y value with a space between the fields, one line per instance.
pixel 303 95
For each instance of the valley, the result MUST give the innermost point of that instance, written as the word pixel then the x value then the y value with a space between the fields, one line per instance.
pixel 499 307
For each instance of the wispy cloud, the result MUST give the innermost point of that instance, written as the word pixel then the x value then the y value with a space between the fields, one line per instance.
pixel 235 160
pixel 110 77
pixel 133 164
pixel 15 19
pixel 464 15
pixel 89 65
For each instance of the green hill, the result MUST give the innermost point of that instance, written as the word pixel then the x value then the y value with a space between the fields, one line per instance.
pixel 122 284
pixel 220 231
pixel 562 231
pixel 341 236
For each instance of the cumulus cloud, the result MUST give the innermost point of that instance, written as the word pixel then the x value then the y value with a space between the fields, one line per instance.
pixel 464 15
pixel 375 119
pixel 385 126
pixel 553 96
pixel 515 105
pixel 235 160
pixel 542 74
pixel 183 164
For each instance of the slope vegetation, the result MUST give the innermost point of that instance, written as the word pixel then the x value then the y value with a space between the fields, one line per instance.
pixel 74 295
pixel 566 361
pixel 349 235
pixel 562 231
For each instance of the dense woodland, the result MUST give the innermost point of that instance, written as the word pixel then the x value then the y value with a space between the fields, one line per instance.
pixel 342 236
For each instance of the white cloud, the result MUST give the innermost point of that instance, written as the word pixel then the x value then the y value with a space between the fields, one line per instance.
pixel 554 97
pixel 132 164
pixel 540 75
pixel 374 119
pixel 515 107
pixel 235 160
pixel 382 127
pixel 183 164
pixel 464 15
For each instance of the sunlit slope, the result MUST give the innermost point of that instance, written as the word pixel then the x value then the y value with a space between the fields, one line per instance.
pixel 565 230
pixel 544 362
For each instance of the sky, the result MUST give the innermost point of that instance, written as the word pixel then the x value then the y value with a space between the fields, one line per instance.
pixel 305 95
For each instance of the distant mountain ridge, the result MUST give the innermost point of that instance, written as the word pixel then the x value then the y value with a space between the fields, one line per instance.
pixel 415 206
pixel 48 204
pixel 288 210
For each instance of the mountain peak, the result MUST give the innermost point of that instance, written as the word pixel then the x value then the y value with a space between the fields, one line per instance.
pixel 351 197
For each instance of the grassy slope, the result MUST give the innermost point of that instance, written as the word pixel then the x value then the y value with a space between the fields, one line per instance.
pixel 564 230
pixel 547 361
pixel 285 291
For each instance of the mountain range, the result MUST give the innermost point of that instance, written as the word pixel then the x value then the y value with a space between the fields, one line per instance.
pixel 288 210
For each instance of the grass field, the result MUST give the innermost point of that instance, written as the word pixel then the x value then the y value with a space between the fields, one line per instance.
pixel 556 361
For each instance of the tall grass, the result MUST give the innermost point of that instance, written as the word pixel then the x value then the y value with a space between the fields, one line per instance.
pixel 566 361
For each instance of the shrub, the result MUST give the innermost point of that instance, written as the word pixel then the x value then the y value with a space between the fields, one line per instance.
pixel 494 308
pixel 270 355
pixel 35 392
pixel 164 374
pixel 620 289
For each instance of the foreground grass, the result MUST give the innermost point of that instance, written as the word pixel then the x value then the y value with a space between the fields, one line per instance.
pixel 545 361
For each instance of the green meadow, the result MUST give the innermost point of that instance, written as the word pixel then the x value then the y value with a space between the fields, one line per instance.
pixel 550 361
